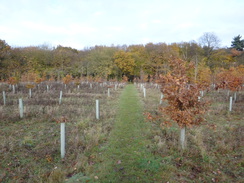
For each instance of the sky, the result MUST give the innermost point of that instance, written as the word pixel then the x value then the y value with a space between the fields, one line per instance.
pixel 85 23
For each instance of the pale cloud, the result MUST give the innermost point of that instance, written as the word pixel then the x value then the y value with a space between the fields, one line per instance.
pixel 82 23
pixel 156 21
pixel 98 13
pixel 143 26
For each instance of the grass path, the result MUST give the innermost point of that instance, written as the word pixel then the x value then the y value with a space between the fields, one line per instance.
pixel 126 158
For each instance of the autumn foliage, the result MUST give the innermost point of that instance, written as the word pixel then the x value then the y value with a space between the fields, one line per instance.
pixel 12 80
pixel 67 79
pixel 184 106
pixel 231 79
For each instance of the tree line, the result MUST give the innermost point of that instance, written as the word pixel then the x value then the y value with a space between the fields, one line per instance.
pixel 141 62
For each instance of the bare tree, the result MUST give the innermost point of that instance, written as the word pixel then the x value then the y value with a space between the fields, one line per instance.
pixel 209 42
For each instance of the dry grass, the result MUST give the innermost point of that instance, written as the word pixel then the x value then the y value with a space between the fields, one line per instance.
pixel 215 149
pixel 30 147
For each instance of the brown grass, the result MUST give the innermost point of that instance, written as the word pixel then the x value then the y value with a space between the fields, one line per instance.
pixel 215 149
pixel 30 147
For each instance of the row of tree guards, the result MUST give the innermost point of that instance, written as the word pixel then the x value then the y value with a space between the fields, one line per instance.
pixel 234 98
pixel 62 124
pixel 13 87
pixel 60 96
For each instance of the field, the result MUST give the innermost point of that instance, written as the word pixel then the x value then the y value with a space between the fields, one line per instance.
pixel 214 150
pixel 30 146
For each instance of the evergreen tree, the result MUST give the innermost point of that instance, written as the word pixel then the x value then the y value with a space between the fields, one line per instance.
pixel 238 43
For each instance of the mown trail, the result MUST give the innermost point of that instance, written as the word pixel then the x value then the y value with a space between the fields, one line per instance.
pixel 127 158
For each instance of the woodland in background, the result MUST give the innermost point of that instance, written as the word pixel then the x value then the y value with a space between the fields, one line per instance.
pixel 133 62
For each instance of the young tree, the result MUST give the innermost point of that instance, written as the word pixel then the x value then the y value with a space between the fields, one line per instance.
pixel 184 106
pixel 231 79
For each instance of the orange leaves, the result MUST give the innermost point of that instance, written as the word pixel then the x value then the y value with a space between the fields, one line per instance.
pixel 12 80
pixel 67 79
pixel 231 79
pixel 62 119
pixel 38 80
pixel 49 158
pixel 184 106
pixel 149 116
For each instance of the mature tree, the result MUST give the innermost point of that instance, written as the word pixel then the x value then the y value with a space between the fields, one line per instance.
pixel 101 62
pixel 140 56
pixel 221 58
pixel 17 65
pixel 64 58
pixel 126 63
pixel 237 43
pixel 189 50
pixel 38 59
pixel 209 42
pixel 4 56
pixel 158 56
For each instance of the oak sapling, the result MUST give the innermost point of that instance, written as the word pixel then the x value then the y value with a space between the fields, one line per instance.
pixel 13 81
pixel 183 107
pixel 67 79
pixel 30 86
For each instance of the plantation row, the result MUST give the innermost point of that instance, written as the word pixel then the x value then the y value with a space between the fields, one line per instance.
pixel 49 94
pixel 30 146
pixel 214 150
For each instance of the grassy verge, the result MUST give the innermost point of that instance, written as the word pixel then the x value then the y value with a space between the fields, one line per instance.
pixel 127 157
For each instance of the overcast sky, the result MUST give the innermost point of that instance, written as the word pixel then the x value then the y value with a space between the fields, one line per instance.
pixel 85 23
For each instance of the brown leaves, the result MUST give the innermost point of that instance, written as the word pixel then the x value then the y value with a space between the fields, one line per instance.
pixel 231 79
pixel 184 106
pixel 67 79
pixel 12 80
pixel 63 119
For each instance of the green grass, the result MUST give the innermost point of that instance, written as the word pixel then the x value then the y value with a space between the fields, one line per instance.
pixel 127 156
